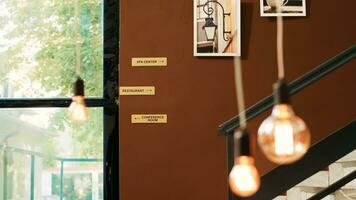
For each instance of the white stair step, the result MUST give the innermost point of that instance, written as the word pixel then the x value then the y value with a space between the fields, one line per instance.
pixel 303 193
pixel 352 184
pixel 280 198
pixel 338 171
pixel 349 157
pixel 345 194
pixel 296 194
pixel 318 180
pixel 310 186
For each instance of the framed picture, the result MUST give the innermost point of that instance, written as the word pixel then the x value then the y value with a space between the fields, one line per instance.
pixel 217 28
pixel 292 8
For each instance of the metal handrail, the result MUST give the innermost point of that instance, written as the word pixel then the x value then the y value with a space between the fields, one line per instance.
pixel 335 186
pixel 295 86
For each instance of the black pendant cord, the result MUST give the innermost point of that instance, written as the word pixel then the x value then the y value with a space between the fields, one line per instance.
pixel 281 92
pixel 242 143
pixel 78 87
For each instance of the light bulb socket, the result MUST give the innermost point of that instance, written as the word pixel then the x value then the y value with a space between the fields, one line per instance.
pixel 242 143
pixel 78 87
pixel 281 92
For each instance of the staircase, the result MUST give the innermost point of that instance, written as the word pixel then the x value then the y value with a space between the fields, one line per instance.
pixel 327 171
pixel 329 150
pixel 323 179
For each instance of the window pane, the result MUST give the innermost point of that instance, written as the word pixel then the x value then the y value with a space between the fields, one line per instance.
pixel 80 181
pixel 18 175
pixel 37 47
pixel 36 145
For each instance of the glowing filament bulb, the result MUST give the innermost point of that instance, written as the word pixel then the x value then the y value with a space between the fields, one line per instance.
pixel 244 179
pixel 78 111
pixel 284 139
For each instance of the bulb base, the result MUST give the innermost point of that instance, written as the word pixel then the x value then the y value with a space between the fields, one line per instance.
pixel 281 92
pixel 78 87
pixel 242 143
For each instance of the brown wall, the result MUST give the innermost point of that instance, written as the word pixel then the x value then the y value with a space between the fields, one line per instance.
pixel 185 159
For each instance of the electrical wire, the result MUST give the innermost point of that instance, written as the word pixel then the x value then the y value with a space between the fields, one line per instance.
pixel 240 103
pixel 280 59
pixel 77 38
pixel 239 91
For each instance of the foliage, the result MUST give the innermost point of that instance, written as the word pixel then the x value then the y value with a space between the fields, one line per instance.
pixel 42 37
pixel 72 185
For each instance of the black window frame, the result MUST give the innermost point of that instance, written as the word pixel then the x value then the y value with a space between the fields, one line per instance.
pixel 109 101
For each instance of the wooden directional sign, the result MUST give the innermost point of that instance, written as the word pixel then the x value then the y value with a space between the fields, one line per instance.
pixel 149 119
pixel 137 90
pixel 149 62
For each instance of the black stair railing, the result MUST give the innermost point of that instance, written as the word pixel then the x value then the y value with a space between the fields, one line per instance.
pixel 327 151
pixel 295 86
pixel 227 128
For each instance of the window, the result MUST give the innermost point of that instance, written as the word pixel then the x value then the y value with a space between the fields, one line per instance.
pixel 43 155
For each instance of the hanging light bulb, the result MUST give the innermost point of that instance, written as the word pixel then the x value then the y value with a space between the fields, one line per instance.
pixel 283 137
pixel 78 110
pixel 244 179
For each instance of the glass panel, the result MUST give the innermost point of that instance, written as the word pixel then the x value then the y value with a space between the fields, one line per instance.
pixel 210 33
pixel 81 180
pixel 37 47
pixel 18 175
pixel 36 145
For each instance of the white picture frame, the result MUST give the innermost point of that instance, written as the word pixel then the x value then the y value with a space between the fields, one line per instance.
pixel 227 37
pixel 289 8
